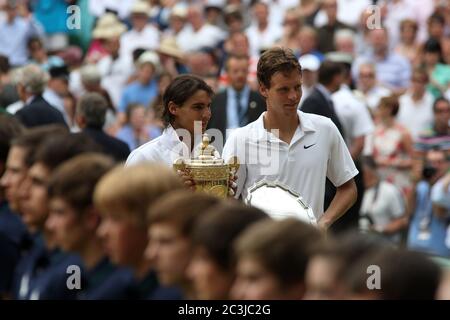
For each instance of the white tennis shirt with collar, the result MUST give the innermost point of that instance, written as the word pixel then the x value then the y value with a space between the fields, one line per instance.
pixel 164 149
pixel 316 151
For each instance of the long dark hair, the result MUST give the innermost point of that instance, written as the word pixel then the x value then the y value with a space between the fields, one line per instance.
pixel 179 91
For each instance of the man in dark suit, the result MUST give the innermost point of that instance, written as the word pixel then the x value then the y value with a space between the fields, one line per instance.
pixel 331 76
pixel 90 117
pixel 237 105
pixel 37 111
pixel 319 101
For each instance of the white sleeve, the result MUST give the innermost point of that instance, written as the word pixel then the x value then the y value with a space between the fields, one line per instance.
pixel 134 158
pixel 397 204
pixel 363 122
pixel 231 149
pixel 341 167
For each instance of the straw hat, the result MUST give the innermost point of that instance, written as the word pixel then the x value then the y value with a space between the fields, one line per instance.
pixel 141 7
pixel 108 26
pixel 149 57
pixel 169 47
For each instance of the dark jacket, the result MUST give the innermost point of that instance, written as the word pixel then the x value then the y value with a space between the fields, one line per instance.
pixel 39 112
pixel 111 146
pixel 255 106
pixel 317 103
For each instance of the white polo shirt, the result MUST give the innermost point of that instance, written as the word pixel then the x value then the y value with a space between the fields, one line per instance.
pixel 316 151
pixel 164 149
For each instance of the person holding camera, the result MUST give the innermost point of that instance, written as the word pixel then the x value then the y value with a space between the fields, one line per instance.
pixel 428 229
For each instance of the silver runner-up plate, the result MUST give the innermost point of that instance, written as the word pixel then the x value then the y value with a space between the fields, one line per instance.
pixel 279 202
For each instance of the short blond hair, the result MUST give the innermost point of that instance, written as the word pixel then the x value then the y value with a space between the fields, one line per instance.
pixel 127 192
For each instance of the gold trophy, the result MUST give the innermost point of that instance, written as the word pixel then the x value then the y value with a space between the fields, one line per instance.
pixel 210 172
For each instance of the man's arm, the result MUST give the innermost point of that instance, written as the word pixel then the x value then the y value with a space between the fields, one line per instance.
pixel 345 197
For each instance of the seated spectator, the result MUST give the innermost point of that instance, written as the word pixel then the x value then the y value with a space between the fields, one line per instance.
pixel 142 34
pixel 383 205
pixel 392 70
pixel 15 31
pixel 415 112
pixel 271 260
pixel 368 89
pixel 327 32
pixel 428 230
pixel 123 196
pixel 438 72
pixel 438 134
pixel 136 130
pixel 262 33
pixel 391 146
pixel 145 89
pixel 408 46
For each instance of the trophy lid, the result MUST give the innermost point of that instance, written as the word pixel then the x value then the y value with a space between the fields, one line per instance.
pixel 279 202
pixel 206 153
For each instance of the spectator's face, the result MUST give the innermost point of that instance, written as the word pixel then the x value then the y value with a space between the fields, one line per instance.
pixel 169 252
pixel 418 84
pixel 431 58
pixel 137 118
pixel 238 72
pixel 261 12
pixel 437 160
pixel 124 241
pixel 254 282
pixel 33 196
pixel 240 44
pixel 15 173
pixel 209 281
pixel 345 45
pixel 195 18
pixel 68 228
pixel 320 279
pixel 234 25
pixel 366 77
pixel 284 94
pixel 442 114
pixel 330 7
pixel 139 20
pixel 196 109
pixel 309 78
pixel 379 40
pixel 291 23
pixel 176 23
pixel 146 72
pixel 201 64
pixel 307 41
pixel 112 45
pixel 408 34
pixel 435 29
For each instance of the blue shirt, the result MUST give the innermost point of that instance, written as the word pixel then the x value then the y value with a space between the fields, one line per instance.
pixel 137 93
pixel 393 71
pixel 432 241
pixel 126 134
pixel 14 38
pixel 233 120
